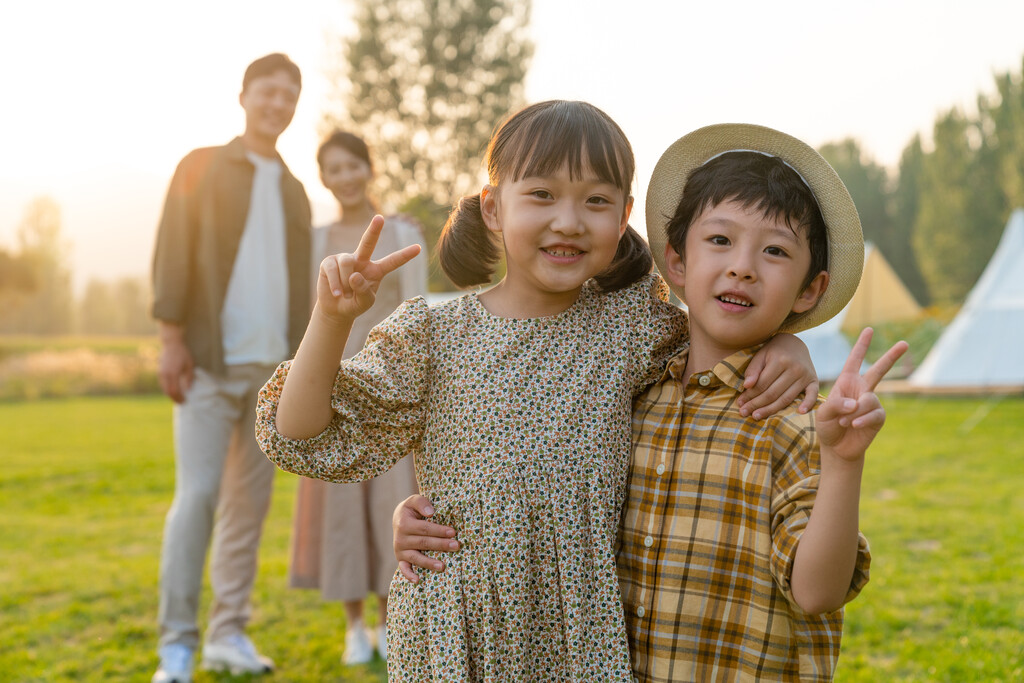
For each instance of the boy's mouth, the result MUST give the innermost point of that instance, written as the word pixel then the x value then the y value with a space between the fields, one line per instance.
pixel 729 299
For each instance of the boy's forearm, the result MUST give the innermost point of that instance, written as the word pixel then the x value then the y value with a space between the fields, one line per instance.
pixel 305 406
pixel 826 556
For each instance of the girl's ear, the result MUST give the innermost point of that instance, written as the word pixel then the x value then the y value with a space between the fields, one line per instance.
pixel 812 292
pixel 625 216
pixel 674 266
pixel 489 207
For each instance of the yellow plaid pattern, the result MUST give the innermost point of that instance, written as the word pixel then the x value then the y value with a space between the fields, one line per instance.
pixel 716 506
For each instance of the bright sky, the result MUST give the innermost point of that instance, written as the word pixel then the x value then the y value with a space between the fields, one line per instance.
pixel 102 98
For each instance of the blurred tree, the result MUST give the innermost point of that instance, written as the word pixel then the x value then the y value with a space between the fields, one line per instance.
pixel 425 82
pixel 870 187
pixel 905 203
pixel 118 307
pixel 1002 129
pixel 47 309
pixel 953 233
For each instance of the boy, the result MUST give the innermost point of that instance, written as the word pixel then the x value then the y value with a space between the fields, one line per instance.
pixel 718 503
pixel 732 566
pixel 231 296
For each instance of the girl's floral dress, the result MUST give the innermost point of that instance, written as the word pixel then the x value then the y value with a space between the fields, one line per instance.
pixel 521 430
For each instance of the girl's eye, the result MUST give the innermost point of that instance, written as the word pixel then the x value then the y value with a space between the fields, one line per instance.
pixel 541 194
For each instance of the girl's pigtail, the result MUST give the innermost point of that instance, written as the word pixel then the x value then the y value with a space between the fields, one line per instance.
pixel 632 261
pixel 466 250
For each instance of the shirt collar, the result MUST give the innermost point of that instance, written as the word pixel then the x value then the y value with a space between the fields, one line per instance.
pixel 729 371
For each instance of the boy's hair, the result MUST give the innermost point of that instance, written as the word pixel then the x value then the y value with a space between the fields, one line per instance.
pixel 756 181
pixel 269 64
pixel 538 141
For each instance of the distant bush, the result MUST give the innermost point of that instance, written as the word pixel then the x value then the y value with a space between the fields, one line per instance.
pixel 33 368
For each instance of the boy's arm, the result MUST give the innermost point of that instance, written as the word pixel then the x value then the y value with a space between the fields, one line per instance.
pixel 776 375
pixel 346 287
pixel 847 422
pixel 414 532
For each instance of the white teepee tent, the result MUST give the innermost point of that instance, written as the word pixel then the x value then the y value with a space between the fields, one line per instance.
pixel 982 347
pixel 828 347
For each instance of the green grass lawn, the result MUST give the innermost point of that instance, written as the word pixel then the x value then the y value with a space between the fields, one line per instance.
pixel 85 485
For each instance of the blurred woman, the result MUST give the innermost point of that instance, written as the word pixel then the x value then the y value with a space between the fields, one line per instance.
pixel 342 542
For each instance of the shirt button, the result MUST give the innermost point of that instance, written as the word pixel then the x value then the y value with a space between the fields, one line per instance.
pixel 660 470
pixel 640 611
pixel 704 380
pixel 648 541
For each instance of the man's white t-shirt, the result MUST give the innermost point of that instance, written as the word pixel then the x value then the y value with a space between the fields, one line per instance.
pixel 254 320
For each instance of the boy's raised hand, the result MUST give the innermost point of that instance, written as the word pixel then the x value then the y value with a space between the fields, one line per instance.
pixel 852 415
pixel 347 284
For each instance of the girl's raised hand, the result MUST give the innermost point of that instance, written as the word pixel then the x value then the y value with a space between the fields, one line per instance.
pixel 347 284
pixel 852 415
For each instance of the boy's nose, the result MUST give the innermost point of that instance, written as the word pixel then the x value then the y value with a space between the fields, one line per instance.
pixel 742 269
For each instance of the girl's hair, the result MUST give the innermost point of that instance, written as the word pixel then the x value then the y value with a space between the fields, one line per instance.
pixel 351 143
pixel 539 140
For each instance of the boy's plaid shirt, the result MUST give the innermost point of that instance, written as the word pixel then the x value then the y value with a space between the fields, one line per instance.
pixel 715 509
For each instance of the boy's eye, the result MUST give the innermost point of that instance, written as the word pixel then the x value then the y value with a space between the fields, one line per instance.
pixel 598 200
pixel 775 251
pixel 541 194
pixel 720 240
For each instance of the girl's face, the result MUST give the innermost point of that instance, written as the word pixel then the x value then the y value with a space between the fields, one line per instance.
pixel 557 232
pixel 346 176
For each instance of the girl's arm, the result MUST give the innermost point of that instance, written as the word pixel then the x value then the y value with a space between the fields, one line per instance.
pixel 777 374
pixel 847 423
pixel 346 287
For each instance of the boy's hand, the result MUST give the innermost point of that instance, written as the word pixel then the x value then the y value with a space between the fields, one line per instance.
pixel 347 284
pixel 413 532
pixel 852 415
pixel 776 375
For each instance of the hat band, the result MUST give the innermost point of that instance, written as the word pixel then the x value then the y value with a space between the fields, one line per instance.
pixel 766 154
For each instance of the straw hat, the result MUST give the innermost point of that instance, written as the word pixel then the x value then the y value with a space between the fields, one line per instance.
pixel 845 239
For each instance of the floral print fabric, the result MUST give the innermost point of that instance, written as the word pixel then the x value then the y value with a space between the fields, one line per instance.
pixel 522 433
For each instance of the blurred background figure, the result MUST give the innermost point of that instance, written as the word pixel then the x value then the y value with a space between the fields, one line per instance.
pixel 231 298
pixel 342 541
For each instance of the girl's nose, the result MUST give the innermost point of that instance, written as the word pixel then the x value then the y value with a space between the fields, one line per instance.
pixel 567 219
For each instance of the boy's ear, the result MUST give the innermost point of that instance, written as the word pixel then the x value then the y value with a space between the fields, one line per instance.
pixel 489 207
pixel 625 216
pixel 811 293
pixel 676 269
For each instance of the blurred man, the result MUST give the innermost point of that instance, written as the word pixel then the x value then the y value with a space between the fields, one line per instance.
pixel 231 285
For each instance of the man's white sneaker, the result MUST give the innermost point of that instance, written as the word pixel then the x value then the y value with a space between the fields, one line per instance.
pixel 175 664
pixel 236 654
pixel 358 649
pixel 382 642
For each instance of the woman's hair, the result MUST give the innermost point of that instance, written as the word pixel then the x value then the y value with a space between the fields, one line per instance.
pixel 351 143
pixel 539 140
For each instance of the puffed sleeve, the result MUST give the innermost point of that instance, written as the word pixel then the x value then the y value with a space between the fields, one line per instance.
pixel 796 467
pixel 659 332
pixel 378 401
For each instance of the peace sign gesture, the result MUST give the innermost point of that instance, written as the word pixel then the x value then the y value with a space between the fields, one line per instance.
pixel 347 284
pixel 852 415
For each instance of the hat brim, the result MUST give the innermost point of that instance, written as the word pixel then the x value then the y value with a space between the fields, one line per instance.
pixel 845 238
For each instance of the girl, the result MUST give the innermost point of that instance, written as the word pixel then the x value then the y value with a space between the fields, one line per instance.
pixel 342 534
pixel 517 401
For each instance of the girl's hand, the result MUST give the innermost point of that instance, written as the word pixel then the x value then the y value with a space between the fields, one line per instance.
pixel 347 284
pixel 852 415
pixel 413 532
pixel 776 375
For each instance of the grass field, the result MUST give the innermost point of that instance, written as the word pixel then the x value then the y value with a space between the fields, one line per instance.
pixel 85 484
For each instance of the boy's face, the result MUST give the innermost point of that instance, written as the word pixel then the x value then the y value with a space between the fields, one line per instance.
pixel 269 103
pixel 743 274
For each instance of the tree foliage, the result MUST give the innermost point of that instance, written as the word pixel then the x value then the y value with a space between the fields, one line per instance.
pixel 45 307
pixel 427 80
